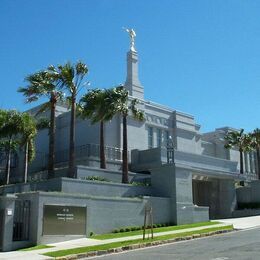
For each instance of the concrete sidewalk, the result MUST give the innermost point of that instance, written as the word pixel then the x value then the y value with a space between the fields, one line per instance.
pixel 242 223
pixel 36 254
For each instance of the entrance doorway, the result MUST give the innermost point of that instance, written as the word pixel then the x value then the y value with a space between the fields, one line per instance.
pixel 202 192
pixel 21 220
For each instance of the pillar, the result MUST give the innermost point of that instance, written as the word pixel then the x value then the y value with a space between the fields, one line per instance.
pixel 7 206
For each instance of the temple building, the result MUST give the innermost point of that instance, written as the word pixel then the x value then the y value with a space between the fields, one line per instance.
pixel 189 176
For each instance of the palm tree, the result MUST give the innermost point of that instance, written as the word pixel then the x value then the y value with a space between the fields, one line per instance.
pixel 40 85
pixel 119 99
pixel 256 146
pixel 95 106
pixel 241 141
pixel 70 77
pixel 10 125
pixel 28 133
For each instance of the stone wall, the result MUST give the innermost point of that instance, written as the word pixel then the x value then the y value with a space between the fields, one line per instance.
pixel 114 176
pixel 176 183
pixel 76 186
pixel 103 214
pixel 250 193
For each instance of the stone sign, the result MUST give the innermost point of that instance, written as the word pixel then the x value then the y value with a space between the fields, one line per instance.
pixel 64 220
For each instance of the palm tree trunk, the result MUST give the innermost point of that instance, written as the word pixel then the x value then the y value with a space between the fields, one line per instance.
pixel 8 163
pixel 51 159
pixel 241 162
pixel 125 157
pixel 72 138
pixel 26 162
pixel 258 161
pixel 102 147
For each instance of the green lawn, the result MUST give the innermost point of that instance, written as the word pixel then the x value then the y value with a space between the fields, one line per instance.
pixel 35 248
pixel 155 230
pixel 80 250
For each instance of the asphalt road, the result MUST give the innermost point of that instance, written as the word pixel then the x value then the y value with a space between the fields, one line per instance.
pixel 241 245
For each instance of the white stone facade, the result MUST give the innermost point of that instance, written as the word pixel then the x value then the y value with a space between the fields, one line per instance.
pixel 160 123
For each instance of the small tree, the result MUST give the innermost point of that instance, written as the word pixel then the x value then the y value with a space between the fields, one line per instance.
pixel 70 77
pixel 8 147
pixel 120 101
pixel 239 140
pixel 10 127
pixel 255 135
pixel 95 106
pixel 40 85
pixel 28 133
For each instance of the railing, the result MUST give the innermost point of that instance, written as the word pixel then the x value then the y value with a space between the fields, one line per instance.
pixel 83 151
pixel 3 159
pixel 89 150
pixel 251 176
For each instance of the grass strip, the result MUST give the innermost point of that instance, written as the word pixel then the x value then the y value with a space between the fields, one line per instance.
pixel 35 248
pixel 155 230
pixel 86 249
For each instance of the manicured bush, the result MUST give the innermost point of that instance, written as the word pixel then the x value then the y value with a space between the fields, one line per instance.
pixel 115 231
pixel 91 234
pixel 144 184
pixel 134 228
pixel 95 178
pixel 250 205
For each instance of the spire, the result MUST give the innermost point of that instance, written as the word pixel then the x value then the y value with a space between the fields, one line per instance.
pixel 132 83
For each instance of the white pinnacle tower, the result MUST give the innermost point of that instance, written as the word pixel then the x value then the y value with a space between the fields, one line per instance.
pixel 132 83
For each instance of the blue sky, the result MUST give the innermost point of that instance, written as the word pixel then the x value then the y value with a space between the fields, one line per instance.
pixel 201 57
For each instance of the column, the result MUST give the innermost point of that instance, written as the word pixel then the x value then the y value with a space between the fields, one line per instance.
pixel 7 205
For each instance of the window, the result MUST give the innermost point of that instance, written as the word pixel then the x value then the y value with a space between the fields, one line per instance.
pixel 159 137
pixel 150 137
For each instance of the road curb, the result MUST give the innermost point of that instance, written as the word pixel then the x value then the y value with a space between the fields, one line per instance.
pixel 143 245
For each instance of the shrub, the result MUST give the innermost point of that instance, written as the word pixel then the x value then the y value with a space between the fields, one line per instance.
pixel 95 178
pixel 91 234
pixel 136 228
pixel 138 183
pixel 115 231
pixel 133 228
pixel 249 205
